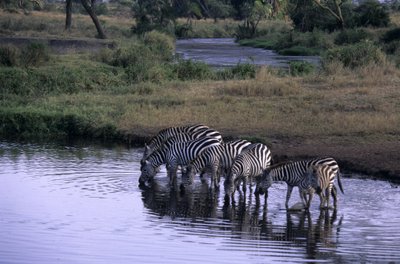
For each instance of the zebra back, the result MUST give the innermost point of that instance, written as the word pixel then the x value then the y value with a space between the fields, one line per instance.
pixel 185 152
pixel 230 150
pixel 166 133
pixel 293 173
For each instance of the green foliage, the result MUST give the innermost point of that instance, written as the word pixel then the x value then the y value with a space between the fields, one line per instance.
pixel 372 13
pixel 160 43
pixel 152 14
pixel 34 54
pixel 56 79
pixel 191 70
pixel 9 55
pixel 356 55
pixel 299 51
pixel 101 9
pixel 240 71
pixel 27 123
pixel 351 36
pixel 301 68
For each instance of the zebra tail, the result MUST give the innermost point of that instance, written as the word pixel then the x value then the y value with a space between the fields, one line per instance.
pixel 340 183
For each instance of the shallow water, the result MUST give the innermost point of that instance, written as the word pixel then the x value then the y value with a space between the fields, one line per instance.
pixel 224 52
pixel 82 204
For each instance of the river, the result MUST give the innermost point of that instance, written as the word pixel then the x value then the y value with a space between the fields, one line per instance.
pixel 224 52
pixel 82 204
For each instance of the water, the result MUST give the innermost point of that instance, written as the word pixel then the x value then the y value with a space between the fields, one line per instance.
pixel 224 52
pixel 82 204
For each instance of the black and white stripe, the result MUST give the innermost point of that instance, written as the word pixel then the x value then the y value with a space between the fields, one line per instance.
pixel 247 165
pixel 191 132
pixel 216 159
pixel 322 180
pixel 173 155
pixel 296 173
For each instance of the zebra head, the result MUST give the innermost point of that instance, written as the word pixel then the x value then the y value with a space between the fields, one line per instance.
pixel 264 182
pixel 313 175
pixel 148 172
pixel 146 153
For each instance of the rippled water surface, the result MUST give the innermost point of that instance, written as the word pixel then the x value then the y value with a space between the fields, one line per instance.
pixel 81 204
pixel 224 52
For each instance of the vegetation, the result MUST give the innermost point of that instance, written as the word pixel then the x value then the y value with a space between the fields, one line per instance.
pixel 136 86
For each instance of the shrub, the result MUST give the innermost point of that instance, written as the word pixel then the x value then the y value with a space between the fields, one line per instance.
pixel 300 68
pixel 299 50
pixel 240 71
pixel 351 36
pixel 34 54
pixel 191 70
pixel 9 55
pixel 160 43
pixel 372 13
pixel 356 55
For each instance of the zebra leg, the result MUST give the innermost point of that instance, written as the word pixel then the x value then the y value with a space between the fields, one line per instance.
pixel 288 194
pixel 328 195
pixel 310 197
pixel 334 195
pixel 172 171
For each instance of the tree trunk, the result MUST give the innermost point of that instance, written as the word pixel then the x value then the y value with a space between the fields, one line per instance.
pixel 68 12
pixel 90 10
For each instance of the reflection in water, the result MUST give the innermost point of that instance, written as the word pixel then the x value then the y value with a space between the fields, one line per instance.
pixel 81 204
pixel 248 219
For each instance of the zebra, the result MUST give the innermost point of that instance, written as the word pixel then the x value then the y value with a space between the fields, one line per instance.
pixel 322 178
pixel 218 158
pixel 173 155
pixel 297 173
pixel 249 164
pixel 196 131
pixel 163 135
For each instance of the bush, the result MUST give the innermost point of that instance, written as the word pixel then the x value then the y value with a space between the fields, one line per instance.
pixel 9 56
pixel 351 36
pixel 160 43
pixel 191 70
pixel 356 55
pixel 239 72
pixel 298 50
pixel 300 68
pixel 34 54
pixel 372 13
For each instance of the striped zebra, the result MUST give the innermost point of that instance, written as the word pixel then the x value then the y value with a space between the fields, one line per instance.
pixel 216 159
pixel 322 180
pixel 249 164
pixel 174 154
pixel 196 131
pixel 298 174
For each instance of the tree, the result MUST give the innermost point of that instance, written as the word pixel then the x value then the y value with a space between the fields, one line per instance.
pixel 152 14
pixel 333 7
pixel 68 11
pixel 254 13
pixel 89 6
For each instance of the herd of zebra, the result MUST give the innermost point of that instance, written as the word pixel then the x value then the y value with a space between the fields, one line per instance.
pixel 200 149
